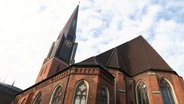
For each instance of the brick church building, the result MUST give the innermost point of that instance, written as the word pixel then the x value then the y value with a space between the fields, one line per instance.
pixel 131 73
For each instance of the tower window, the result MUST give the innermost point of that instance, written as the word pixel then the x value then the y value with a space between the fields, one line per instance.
pixel 166 92
pixel 142 95
pixel 55 95
pixel 37 99
pixel 104 96
pixel 81 92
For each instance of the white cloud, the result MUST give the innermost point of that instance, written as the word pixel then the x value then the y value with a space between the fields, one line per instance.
pixel 129 19
pixel 168 41
pixel 28 27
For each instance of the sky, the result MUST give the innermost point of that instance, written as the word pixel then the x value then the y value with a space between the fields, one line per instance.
pixel 28 28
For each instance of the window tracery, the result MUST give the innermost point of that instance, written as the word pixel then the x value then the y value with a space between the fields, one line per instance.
pixel 142 95
pixel 104 96
pixel 55 96
pixel 37 99
pixel 166 92
pixel 81 91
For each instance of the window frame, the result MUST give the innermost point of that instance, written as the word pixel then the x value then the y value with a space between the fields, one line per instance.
pixel 171 88
pixel 136 90
pixel 38 95
pixel 76 85
pixel 107 92
pixel 54 91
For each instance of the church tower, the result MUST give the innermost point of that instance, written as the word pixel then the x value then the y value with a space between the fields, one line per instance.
pixel 62 51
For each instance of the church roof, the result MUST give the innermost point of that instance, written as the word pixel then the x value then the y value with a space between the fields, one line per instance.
pixel 10 89
pixel 131 57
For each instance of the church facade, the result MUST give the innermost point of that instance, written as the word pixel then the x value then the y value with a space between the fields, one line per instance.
pixel 131 73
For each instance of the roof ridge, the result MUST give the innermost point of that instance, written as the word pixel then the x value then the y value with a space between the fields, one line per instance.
pixel 94 58
pixel 145 52
pixel 110 57
pixel 121 60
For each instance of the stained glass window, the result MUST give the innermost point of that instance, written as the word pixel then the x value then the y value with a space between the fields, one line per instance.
pixel 37 99
pixel 80 96
pixel 142 95
pixel 55 96
pixel 166 92
pixel 104 96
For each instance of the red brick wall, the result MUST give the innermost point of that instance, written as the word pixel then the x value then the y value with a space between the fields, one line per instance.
pixel 46 88
pixel 50 68
pixel 178 88
pixel 175 82
pixel 98 78
pixel 105 82
pixel 78 76
pixel 120 87
pixel 152 80
pixel 155 91
pixel 182 83
pixel 95 77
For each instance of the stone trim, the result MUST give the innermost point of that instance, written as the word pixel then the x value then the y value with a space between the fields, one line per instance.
pixel 122 91
pixel 151 73
pixel 155 92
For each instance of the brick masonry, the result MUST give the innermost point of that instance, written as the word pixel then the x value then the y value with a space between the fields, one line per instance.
pixel 122 88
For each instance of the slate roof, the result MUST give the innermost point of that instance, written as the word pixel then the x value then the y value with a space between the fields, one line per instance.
pixel 6 88
pixel 132 57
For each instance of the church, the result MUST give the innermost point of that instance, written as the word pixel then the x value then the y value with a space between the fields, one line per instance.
pixel 131 73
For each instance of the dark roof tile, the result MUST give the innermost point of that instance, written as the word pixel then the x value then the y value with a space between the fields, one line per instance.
pixel 131 57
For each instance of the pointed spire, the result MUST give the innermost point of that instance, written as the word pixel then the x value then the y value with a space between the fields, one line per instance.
pixel 64 47
pixel 71 25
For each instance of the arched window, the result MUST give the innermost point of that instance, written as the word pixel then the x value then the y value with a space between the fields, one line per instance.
pixel 37 99
pixel 55 95
pixel 104 96
pixel 142 94
pixel 81 92
pixel 166 92
pixel 23 101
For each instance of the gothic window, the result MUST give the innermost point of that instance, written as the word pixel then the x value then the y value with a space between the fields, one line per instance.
pixel 104 96
pixel 142 94
pixel 23 101
pixel 81 92
pixel 166 92
pixel 55 95
pixel 37 99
